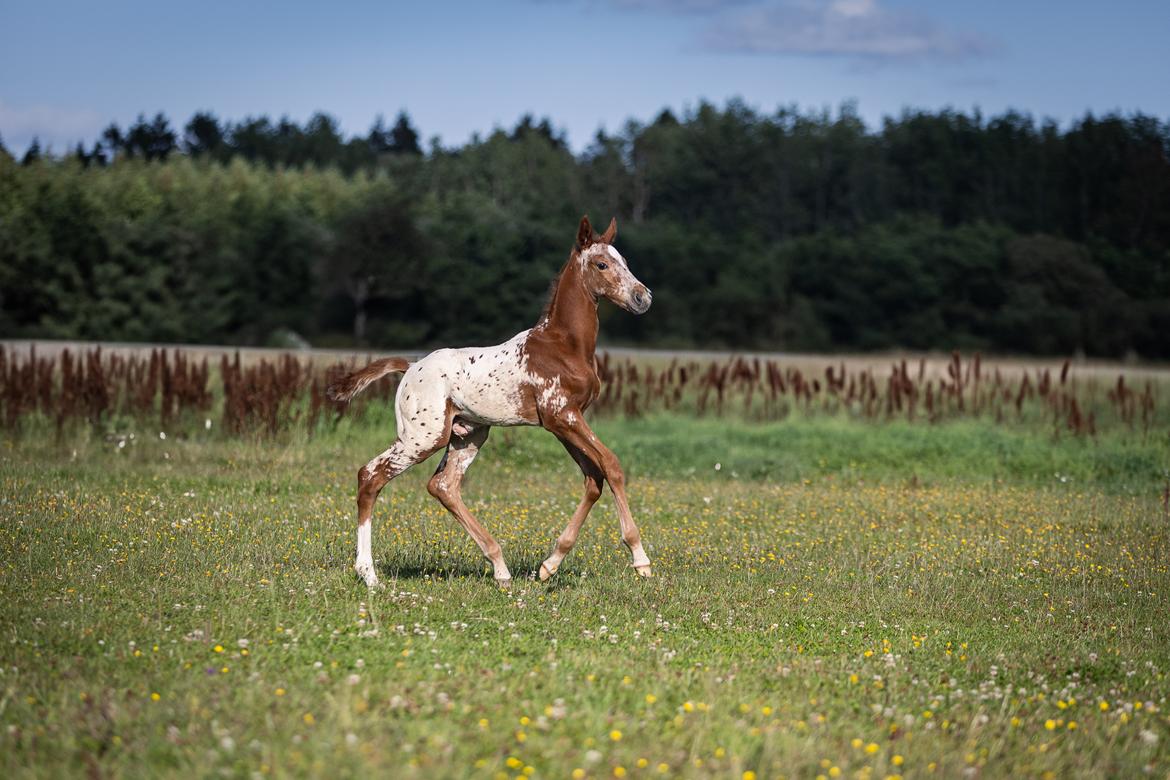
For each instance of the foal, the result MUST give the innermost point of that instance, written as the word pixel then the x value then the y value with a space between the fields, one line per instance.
pixel 545 376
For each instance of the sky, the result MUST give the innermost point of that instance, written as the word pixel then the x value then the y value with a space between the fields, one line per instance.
pixel 68 68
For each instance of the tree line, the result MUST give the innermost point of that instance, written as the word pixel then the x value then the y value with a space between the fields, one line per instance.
pixel 786 230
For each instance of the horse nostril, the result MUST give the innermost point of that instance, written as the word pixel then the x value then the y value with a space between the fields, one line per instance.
pixel 641 298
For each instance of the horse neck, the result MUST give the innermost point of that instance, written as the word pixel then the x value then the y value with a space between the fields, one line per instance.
pixel 572 312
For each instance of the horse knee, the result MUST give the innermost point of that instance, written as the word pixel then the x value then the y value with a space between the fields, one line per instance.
pixel 592 489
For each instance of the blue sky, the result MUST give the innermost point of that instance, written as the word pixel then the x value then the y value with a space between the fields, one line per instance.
pixel 67 69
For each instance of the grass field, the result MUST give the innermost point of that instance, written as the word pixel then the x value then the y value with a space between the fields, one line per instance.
pixel 831 598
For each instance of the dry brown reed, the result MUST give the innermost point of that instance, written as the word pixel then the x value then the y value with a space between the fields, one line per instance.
pixel 267 396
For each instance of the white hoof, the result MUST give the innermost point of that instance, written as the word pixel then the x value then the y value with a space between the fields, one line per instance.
pixel 643 571
pixel 546 571
pixel 504 582
pixel 367 573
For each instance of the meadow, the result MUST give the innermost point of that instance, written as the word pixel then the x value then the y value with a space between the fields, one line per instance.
pixel 834 596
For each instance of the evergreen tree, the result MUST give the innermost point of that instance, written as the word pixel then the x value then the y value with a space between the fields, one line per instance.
pixel 113 139
pixel 203 135
pixel 288 145
pixel 322 140
pixel 793 229
pixel 403 137
pixel 33 153
pixel 546 131
pixel 98 154
pixel 379 138
pixel 153 140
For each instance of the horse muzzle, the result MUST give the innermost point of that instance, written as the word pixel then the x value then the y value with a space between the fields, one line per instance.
pixel 640 300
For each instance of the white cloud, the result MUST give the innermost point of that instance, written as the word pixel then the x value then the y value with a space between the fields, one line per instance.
pixel 852 29
pixel 55 126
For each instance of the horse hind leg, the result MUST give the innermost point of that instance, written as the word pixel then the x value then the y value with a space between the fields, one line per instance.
pixel 372 477
pixel 445 486
pixel 424 417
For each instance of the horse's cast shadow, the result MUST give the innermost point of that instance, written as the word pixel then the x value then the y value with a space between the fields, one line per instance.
pixel 524 569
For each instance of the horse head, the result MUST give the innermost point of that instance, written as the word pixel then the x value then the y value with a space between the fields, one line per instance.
pixel 605 272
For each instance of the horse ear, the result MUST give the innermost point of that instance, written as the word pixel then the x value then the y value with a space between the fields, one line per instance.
pixel 610 232
pixel 584 233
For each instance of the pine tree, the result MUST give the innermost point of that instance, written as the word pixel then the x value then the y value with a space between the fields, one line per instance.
pixel 33 154
pixel 403 137
pixel 379 138
pixel 203 135
pixel 322 140
pixel 115 142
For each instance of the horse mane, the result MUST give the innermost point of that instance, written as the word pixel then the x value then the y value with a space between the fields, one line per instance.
pixel 552 286
pixel 573 255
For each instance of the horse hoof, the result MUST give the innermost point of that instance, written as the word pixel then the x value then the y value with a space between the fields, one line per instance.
pixel 504 583
pixel 546 572
pixel 367 575
pixel 643 571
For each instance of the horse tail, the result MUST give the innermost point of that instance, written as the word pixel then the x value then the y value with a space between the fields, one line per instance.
pixel 347 387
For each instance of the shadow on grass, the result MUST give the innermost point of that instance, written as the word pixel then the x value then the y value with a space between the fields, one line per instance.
pixel 522 568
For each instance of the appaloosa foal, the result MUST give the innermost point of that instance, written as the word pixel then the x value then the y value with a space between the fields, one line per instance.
pixel 544 376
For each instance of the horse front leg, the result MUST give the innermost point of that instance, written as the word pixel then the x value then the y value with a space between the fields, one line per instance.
pixel 570 426
pixel 593 481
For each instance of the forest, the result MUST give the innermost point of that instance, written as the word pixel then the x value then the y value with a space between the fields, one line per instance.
pixel 791 230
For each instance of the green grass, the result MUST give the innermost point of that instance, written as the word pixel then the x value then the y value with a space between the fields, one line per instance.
pixel 883 599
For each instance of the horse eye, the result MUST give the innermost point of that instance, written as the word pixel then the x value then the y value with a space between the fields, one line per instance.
pixel 602 266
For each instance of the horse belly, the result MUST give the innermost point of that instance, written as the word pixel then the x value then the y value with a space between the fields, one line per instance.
pixel 489 387
pixel 493 411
